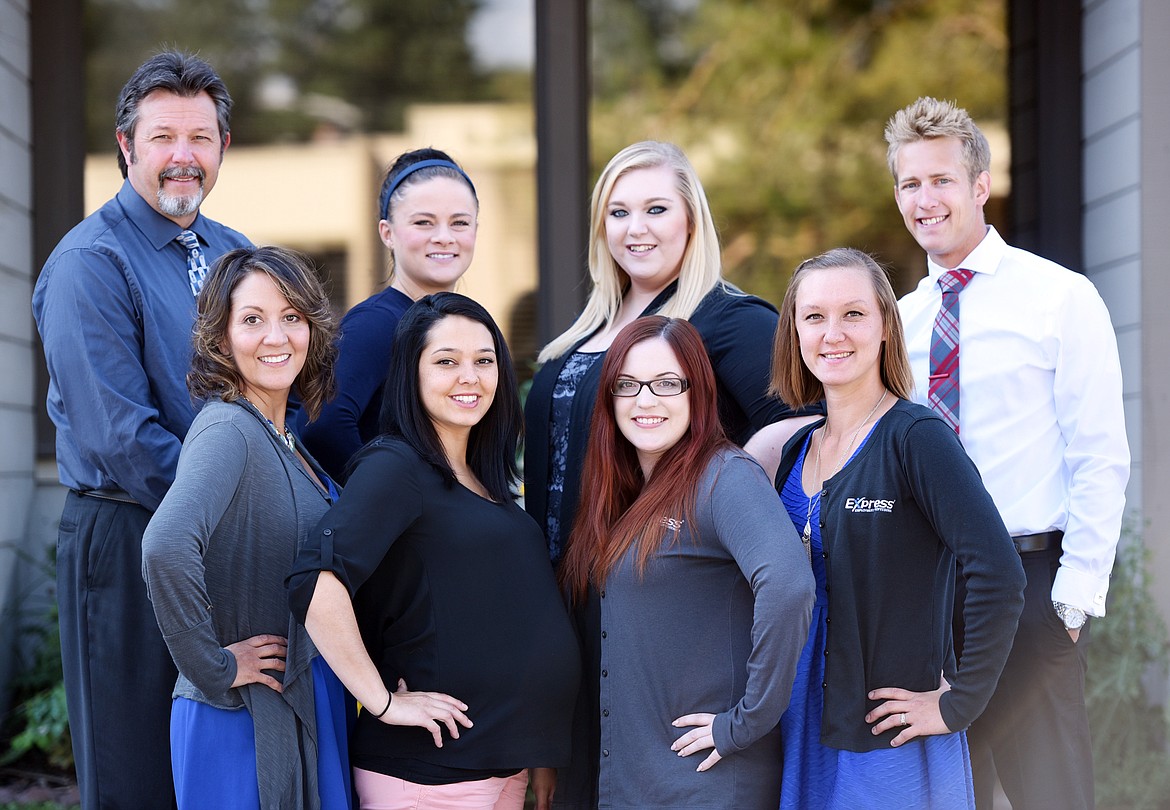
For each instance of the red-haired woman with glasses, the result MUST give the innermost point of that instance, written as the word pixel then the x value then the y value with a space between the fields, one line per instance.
pixel 701 586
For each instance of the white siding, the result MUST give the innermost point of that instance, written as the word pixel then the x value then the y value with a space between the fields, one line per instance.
pixel 17 424
pixel 1111 51
pixel 1126 58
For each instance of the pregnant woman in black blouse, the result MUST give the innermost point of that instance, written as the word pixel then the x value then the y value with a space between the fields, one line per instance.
pixel 456 641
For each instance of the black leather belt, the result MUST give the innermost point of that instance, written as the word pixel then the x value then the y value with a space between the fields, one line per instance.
pixel 1043 541
pixel 119 495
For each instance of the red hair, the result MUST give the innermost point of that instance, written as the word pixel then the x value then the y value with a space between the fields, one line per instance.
pixel 618 509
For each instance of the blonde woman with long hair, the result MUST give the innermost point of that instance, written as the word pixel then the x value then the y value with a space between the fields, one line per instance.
pixel 653 250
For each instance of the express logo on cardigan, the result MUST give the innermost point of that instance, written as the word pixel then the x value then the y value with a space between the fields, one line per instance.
pixel 864 505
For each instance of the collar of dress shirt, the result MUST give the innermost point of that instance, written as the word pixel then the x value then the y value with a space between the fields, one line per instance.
pixel 159 230
pixel 985 258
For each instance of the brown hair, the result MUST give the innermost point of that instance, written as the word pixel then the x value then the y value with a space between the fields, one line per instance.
pixel 214 373
pixel 183 74
pixel 791 379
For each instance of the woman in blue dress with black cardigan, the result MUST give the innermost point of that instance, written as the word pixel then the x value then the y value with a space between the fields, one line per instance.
pixel 885 500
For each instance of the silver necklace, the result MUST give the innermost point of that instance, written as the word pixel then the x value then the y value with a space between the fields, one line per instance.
pixel 285 436
pixel 815 498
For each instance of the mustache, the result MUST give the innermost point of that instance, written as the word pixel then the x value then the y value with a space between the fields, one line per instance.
pixel 181 172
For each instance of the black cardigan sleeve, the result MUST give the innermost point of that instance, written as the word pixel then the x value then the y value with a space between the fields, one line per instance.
pixel 950 492
pixel 738 331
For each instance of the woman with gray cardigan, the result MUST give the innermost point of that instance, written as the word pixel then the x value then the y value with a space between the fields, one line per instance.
pixel 702 587
pixel 257 721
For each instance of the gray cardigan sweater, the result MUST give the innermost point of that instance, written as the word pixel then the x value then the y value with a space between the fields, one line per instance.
pixel 717 624
pixel 214 557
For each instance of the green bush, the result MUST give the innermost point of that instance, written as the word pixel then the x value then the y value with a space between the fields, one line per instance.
pixel 1131 763
pixel 44 723
pixel 39 724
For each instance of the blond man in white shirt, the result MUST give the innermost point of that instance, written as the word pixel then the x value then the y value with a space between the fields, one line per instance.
pixel 1040 414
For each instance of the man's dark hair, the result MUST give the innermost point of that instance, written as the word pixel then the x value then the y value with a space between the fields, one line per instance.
pixel 181 73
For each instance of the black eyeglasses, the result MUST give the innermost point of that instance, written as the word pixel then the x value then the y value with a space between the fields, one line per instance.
pixel 662 387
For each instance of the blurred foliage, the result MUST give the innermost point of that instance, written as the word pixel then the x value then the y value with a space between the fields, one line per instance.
pixel 294 67
pixel 1129 649
pixel 43 719
pixel 39 723
pixel 781 105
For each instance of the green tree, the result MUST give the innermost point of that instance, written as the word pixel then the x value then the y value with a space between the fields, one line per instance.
pixel 292 65
pixel 782 111
pixel 380 55
pixel 640 45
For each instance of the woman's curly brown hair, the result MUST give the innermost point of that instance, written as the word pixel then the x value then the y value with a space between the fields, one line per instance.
pixel 214 373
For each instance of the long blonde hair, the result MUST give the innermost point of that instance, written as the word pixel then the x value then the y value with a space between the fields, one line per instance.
pixel 701 266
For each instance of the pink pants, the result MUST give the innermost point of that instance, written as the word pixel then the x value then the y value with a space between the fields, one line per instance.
pixel 377 791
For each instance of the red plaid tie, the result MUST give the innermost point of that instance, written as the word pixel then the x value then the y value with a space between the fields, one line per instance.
pixel 944 348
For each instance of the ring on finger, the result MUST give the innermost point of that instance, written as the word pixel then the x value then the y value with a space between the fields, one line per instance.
pixel 903 720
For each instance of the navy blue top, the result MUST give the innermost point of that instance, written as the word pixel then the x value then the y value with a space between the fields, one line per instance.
pixel 351 418
pixel 114 308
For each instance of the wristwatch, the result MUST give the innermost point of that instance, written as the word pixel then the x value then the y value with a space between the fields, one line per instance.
pixel 1073 617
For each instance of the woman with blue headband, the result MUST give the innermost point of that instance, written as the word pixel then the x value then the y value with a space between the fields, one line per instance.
pixel 428 212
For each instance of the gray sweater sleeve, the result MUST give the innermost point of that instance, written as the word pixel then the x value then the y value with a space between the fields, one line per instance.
pixel 210 469
pixel 751 523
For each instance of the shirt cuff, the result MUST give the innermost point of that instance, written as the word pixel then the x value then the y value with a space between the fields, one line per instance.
pixel 1080 590
pixel 721 734
pixel 197 654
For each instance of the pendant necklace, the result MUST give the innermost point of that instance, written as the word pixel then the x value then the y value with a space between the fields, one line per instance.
pixel 286 437
pixel 815 498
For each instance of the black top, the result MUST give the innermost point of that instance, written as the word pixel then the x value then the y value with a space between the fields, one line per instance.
pixel 737 330
pixel 893 521
pixel 350 419
pixel 454 593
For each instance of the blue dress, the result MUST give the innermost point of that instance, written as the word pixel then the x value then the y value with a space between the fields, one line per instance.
pixel 929 773
pixel 232 759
